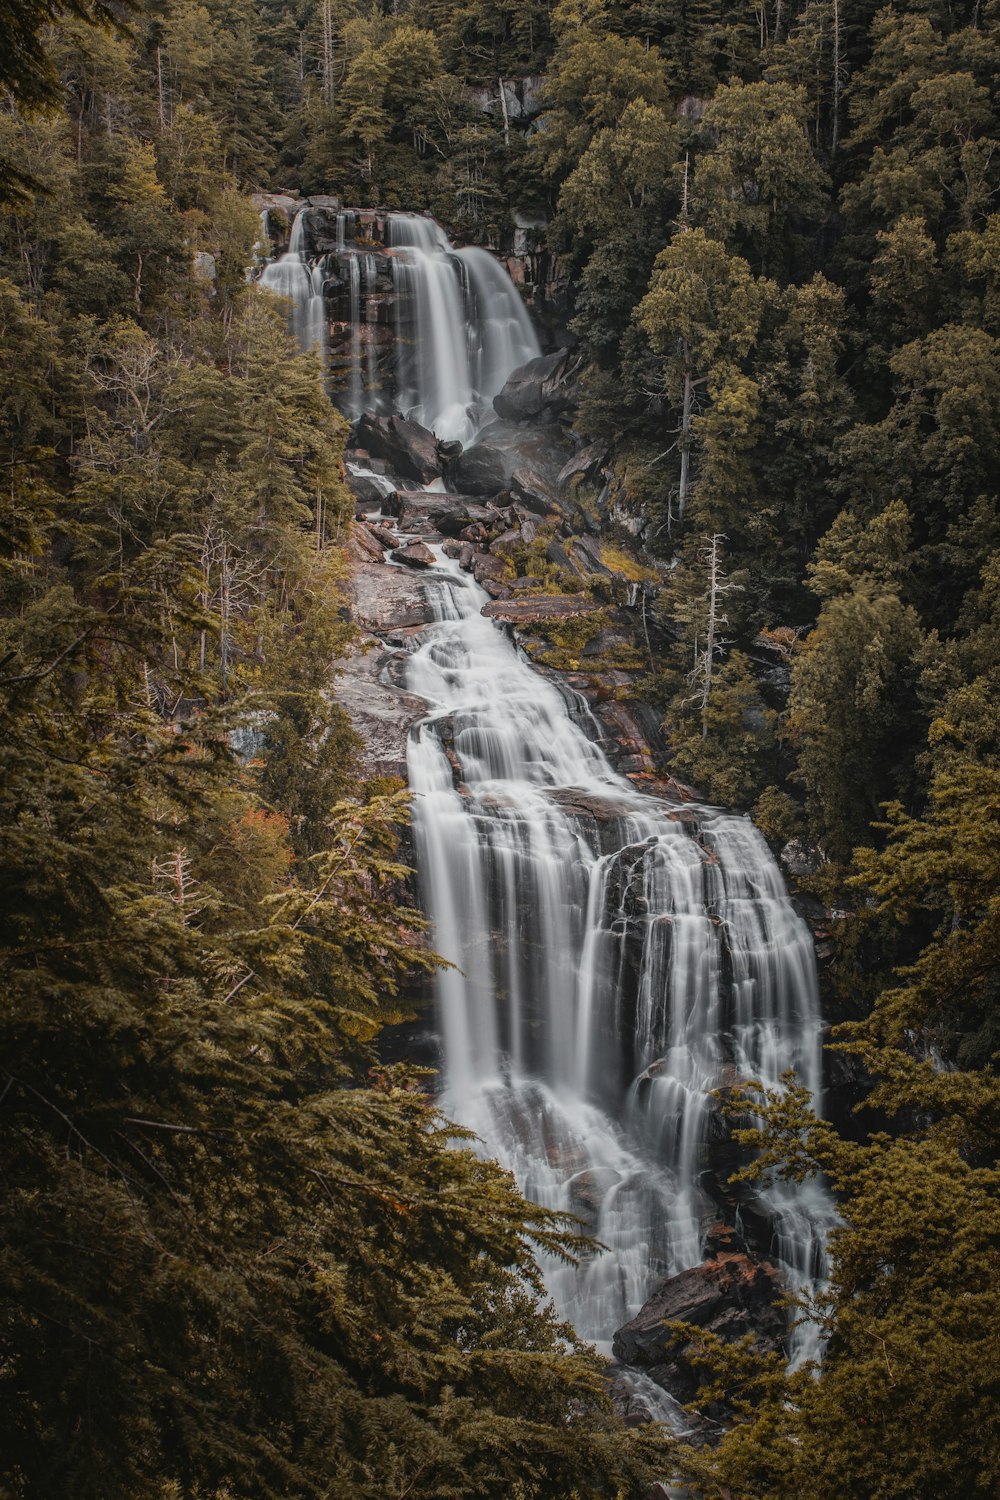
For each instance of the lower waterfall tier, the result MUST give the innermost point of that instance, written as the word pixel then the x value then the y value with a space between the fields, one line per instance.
pixel 619 964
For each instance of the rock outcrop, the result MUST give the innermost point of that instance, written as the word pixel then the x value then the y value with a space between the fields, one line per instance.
pixel 539 608
pixel 408 449
pixel 731 1294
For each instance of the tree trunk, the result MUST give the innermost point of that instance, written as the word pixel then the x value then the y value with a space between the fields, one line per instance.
pixel 713 621
pixel 327 59
pixel 837 80
pixel 506 120
pixel 686 408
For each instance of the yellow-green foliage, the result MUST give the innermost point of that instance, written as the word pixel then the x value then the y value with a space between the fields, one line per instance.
pixel 626 564
pixel 568 638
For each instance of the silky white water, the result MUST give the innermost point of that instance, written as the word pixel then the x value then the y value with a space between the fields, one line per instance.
pixel 461 329
pixel 615 958
pixel 291 277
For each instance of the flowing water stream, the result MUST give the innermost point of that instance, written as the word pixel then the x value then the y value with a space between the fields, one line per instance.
pixel 617 957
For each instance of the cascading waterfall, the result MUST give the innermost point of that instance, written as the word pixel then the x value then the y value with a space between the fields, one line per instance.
pixel 370 383
pixel 616 958
pixel 290 277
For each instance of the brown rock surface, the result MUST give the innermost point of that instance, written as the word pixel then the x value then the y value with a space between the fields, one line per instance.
pixel 539 608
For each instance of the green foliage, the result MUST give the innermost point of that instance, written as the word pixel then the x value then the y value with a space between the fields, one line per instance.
pixel 902 1405
pixel 852 710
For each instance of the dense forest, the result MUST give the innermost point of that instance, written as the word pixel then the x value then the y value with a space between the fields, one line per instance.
pixel 238 1256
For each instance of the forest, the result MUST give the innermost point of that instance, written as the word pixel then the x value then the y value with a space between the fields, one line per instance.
pixel 241 1256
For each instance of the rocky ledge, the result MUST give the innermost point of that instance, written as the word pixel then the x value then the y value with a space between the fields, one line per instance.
pixel 520 510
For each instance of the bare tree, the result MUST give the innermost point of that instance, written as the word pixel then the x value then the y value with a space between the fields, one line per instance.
pixel 708 643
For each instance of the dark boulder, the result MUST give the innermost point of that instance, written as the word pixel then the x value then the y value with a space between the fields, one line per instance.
pixel 540 389
pixel 534 490
pixel 368 493
pixel 407 449
pixel 556 554
pixel 587 554
pixel 584 465
pixel 454 522
pixel 480 470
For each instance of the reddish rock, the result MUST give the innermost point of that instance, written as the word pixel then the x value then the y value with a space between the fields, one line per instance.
pixel 539 609
pixel 384 536
pixel 730 1294
pixel 485 568
pixel 366 543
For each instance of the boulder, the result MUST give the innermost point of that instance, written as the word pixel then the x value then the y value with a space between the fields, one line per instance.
pixel 556 554
pixel 415 555
pixel 586 464
pixel 535 490
pixel 800 858
pixel 384 536
pixel 539 389
pixel 367 543
pixel 479 470
pixel 731 1294
pixel 488 569
pixel 586 554
pixel 507 544
pixel 455 522
pixel 408 449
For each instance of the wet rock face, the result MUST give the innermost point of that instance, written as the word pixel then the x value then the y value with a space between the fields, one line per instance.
pixel 408 449
pixel 731 1294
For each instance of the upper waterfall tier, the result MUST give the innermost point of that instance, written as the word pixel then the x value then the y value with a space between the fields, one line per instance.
pixel 409 323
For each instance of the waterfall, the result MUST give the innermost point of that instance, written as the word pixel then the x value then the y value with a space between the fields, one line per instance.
pixel 354 397
pixel 461 328
pixel 456 326
pixel 616 958
pixel 291 277
pixel 502 335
